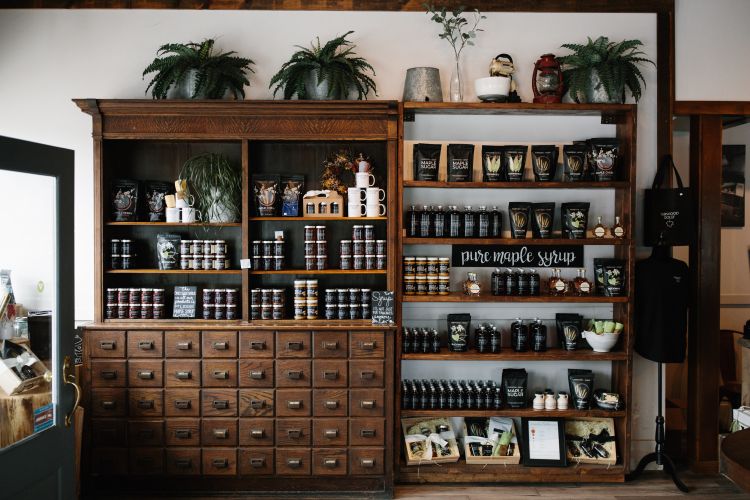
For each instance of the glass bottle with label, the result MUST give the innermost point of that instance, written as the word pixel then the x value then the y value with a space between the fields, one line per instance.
pixel 424 222
pixel 581 285
pixel 470 222
pixel 523 283
pixel 556 283
pixel 617 230
pixel 483 218
pixel 455 222
pixel 538 333
pixel 438 222
pixel 519 334
pixel 471 285
pixel 511 282
pixel 599 230
pixel 412 222
pixel 496 223
pixel 533 282
pixel 495 339
pixel 481 339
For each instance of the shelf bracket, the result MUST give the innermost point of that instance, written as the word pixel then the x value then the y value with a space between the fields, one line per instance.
pixel 409 115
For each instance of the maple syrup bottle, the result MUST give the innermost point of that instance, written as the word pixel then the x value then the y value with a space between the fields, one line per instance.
pixel 496 340
pixel 581 285
pixel 511 283
pixel 533 282
pixel 557 285
pixel 481 339
pixel 599 230
pixel 617 230
pixel 538 334
pixel 484 222
pixel 455 222
pixel 438 222
pixel 412 222
pixel 519 336
pixel 496 223
pixel 424 222
pixel 523 283
pixel 470 222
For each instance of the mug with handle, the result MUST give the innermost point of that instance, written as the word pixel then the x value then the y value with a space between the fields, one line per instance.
pixel 172 214
pixel 374 195
pixel 375 210
pixel 356 194
pixel 190 215
pixel 184 200
pixel 364 179
pixel 356 210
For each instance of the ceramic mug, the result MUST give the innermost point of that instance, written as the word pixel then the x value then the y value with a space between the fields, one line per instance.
pixel 173 214
pixel 356 210
pixel 183 200
pixel 375 210
pixel 374 195
pixel 355 194
pixel 364 179
pixel 190 215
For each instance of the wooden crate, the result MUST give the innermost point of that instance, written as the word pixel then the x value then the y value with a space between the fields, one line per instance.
pixel 412 459
pixel 585 425
pixel 512 459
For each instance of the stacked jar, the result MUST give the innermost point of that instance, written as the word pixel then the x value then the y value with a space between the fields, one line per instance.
pixel 305 299
pixel 135 303
pixel 363 251
pixel 426 275
pixel 268 255
pixel 267 303
pixel 347 303
pixel 120 256
pixel 220 303
pixel 203 255
pixel 316 248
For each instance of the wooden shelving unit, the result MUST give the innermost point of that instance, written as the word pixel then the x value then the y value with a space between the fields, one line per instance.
pixel 566 299
pixel 323 271
pixel 515 241
pixel 174 271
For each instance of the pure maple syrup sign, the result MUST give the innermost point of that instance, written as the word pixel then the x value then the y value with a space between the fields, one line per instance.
pixel 517 256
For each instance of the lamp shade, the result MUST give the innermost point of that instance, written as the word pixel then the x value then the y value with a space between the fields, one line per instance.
pixel 423 85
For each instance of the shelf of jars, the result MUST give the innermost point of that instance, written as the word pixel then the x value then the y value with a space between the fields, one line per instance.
pixel 507 354
pixel 513 241
pixel 517 185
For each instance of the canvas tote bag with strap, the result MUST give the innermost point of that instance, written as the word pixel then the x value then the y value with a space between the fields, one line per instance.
pixel 668 212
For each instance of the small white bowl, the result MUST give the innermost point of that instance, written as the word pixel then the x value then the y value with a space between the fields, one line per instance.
pixel 603 342
pixel 492 88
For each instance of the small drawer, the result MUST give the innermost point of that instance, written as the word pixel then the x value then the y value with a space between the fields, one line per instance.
pixel 330 344
pixel 293 373
pixel 366 402
pixel 330 403
pixel 146 461
pixel 219 344
pixel 182 373
pixel 366 373
pixel 256 373
pixel 182 402
pixel 329 461
pixel 106 344
pixel 293 461
pixel 293 432
pixel 330 373
pixel 146 433
pixel 183 432
pixel 145 402
pixel 293 402
pixel 183 461
pixel 108 432
pixel 255 461
pixel 219 432
pixel 256 402
pixel 256 432
pixel 106 373
pixel 182 344
pixel 329 432
pixel 219 461
pixel 219 402
pixel 367 345
pixel 366 461
pixel 110 461
pixel 256 345
pixel 219 373
pixel 293 344
pixel 143 373
pixel 366 431
pixel 109 402
pixel 149 344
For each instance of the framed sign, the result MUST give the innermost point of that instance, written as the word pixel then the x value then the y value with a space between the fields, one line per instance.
pixel 544 442
pixel 517 256
pixel 184 301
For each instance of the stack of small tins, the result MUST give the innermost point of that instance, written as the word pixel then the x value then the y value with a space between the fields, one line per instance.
pixel 267 303
pixel 305 299
pixel 135 303
pixel 347 303
pixel 220 303
pixel 120 256
pixel 363 251
pixel 268 255
pixel 426 275
pixel 203 255
pixel 316 248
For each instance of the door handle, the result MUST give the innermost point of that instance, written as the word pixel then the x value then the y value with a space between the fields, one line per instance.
pixel 70 378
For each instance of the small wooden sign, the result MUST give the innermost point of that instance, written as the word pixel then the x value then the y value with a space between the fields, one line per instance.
pixel 383 308
pixel 185 298
pixel 517 256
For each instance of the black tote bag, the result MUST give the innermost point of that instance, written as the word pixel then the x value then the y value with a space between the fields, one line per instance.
pixel 668 212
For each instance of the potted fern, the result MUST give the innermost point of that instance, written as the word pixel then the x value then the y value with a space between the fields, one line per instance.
pixel 217 187
pixel 195 71
pixel 600 70
pixel 325 72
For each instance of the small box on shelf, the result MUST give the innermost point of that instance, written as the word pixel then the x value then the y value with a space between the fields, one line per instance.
pixel 429 440
pixel 495 444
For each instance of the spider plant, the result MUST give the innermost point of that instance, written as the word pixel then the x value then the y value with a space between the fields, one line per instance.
pixel 216 185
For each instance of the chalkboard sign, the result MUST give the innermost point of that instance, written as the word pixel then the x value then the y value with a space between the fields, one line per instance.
pixel 517 256
pixel 383 308
pixel 184 301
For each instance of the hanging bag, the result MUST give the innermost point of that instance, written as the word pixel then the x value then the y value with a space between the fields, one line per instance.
pixel 668 212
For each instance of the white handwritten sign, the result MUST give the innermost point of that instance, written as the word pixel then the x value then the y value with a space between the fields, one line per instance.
pixel 383 308
pixel 517 256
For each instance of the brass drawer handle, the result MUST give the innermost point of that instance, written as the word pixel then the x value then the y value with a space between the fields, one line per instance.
pixel 109 374
pixel 257 404
pixel 109 405
pixel 294 433
pixel 330 374
pixel 368 345
pixel 220 463
pixel 294 374
pixel 146 374
pixel 220 346
pixel 146 345
pixel 367 463
pixel 367 375
pixel 368 404
pixel 331 405
pixel 221 433
pixel 184 375
pixel 146 404
pixel 295 345
pixel 183 463
pixel 331 433
pixel 221 374
pixel 367 433
pixel 107 345
pixel 331 463
pixel 331 345
pixel 182 404
pixel 258 374
pixel 294 405
pixel 294 463
pixel 257 463
pixel 221 404
pixel 183 433
pixel 146 434
pixel 258 345
pixel 257 434
pixel 184 346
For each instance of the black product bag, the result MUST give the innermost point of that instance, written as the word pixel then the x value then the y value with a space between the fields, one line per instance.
pixel 668 213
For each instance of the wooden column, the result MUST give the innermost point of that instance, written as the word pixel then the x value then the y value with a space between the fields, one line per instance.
pixel 705 261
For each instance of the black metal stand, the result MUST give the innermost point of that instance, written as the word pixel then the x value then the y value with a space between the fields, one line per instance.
pixel 658 455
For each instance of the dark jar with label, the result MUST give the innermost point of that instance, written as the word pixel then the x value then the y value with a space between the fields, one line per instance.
pixel 511 283
pixel 519 336
pixel 538 333
pixel 482 339
pixel 496 340
pixel 523 283
pixel 483 218
pixel 534 281
pixel 424 222
pixel 470 222
pixel 455 222
pixel 434 341
pixel 496 223
pixel 438 222
pixel 412 222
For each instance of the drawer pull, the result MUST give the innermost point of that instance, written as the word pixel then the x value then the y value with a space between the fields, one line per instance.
pixel 109 374
pixel 221 374
pixel 294 433
pixel 367 433
pixel 368 404
pixel 183 463
pixel 368 345
pixel 294 463
pixel 330 374
pixel 146 345
pixel 145 461
pixel 367 375
pixel 294 405
pixel 183 433
pixel 331 433
pixel 182 404
pixel 331 405
pixel 109 405
pixel 221 404
pixel 220 463
pixel 257 433
pixel 107 345
pixel 258 345
pixel 221 433
pixel 331 463
pixel 146 374
pixel 146 434
pixel 257 463
pixel 295 345
pixel 183 375
pixel 331 345
pixel 258 375
pixel 146 404
pixel 184 346
pixel 367 463
pixel 257 404
pixel 294 374
pixel 220 346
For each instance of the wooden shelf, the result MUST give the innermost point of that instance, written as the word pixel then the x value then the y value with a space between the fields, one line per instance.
pixel 517 185
pixel 173 271
pixel 508 354
pixel 324 271
pixel 509 412
pixel 516 241
pixel 307 324
pixel 172 323
pixel 460 297
pixel 512 108
pixel 177 224
pixel 318 219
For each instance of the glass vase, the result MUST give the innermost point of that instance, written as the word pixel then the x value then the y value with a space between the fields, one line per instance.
pixel 457 85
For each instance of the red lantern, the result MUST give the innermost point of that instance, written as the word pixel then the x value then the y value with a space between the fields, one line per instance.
pixel 547 81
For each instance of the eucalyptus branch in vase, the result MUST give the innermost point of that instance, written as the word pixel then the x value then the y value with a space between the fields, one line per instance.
pixel 460 33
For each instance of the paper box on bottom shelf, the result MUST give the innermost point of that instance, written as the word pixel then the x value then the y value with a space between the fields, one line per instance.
pixel 429 440
pixel 591 441
pixel 496 435
pixel 14 356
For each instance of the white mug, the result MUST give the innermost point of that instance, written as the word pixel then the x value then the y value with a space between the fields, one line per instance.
pixel 375 210
pixel 374 195
pixel 173 214
pixel 355 195
pixel 190 215
pixel 364 179
pixel 184 201
pixel 356 210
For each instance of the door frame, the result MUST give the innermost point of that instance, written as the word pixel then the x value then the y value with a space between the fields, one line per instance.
pixel 32 158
